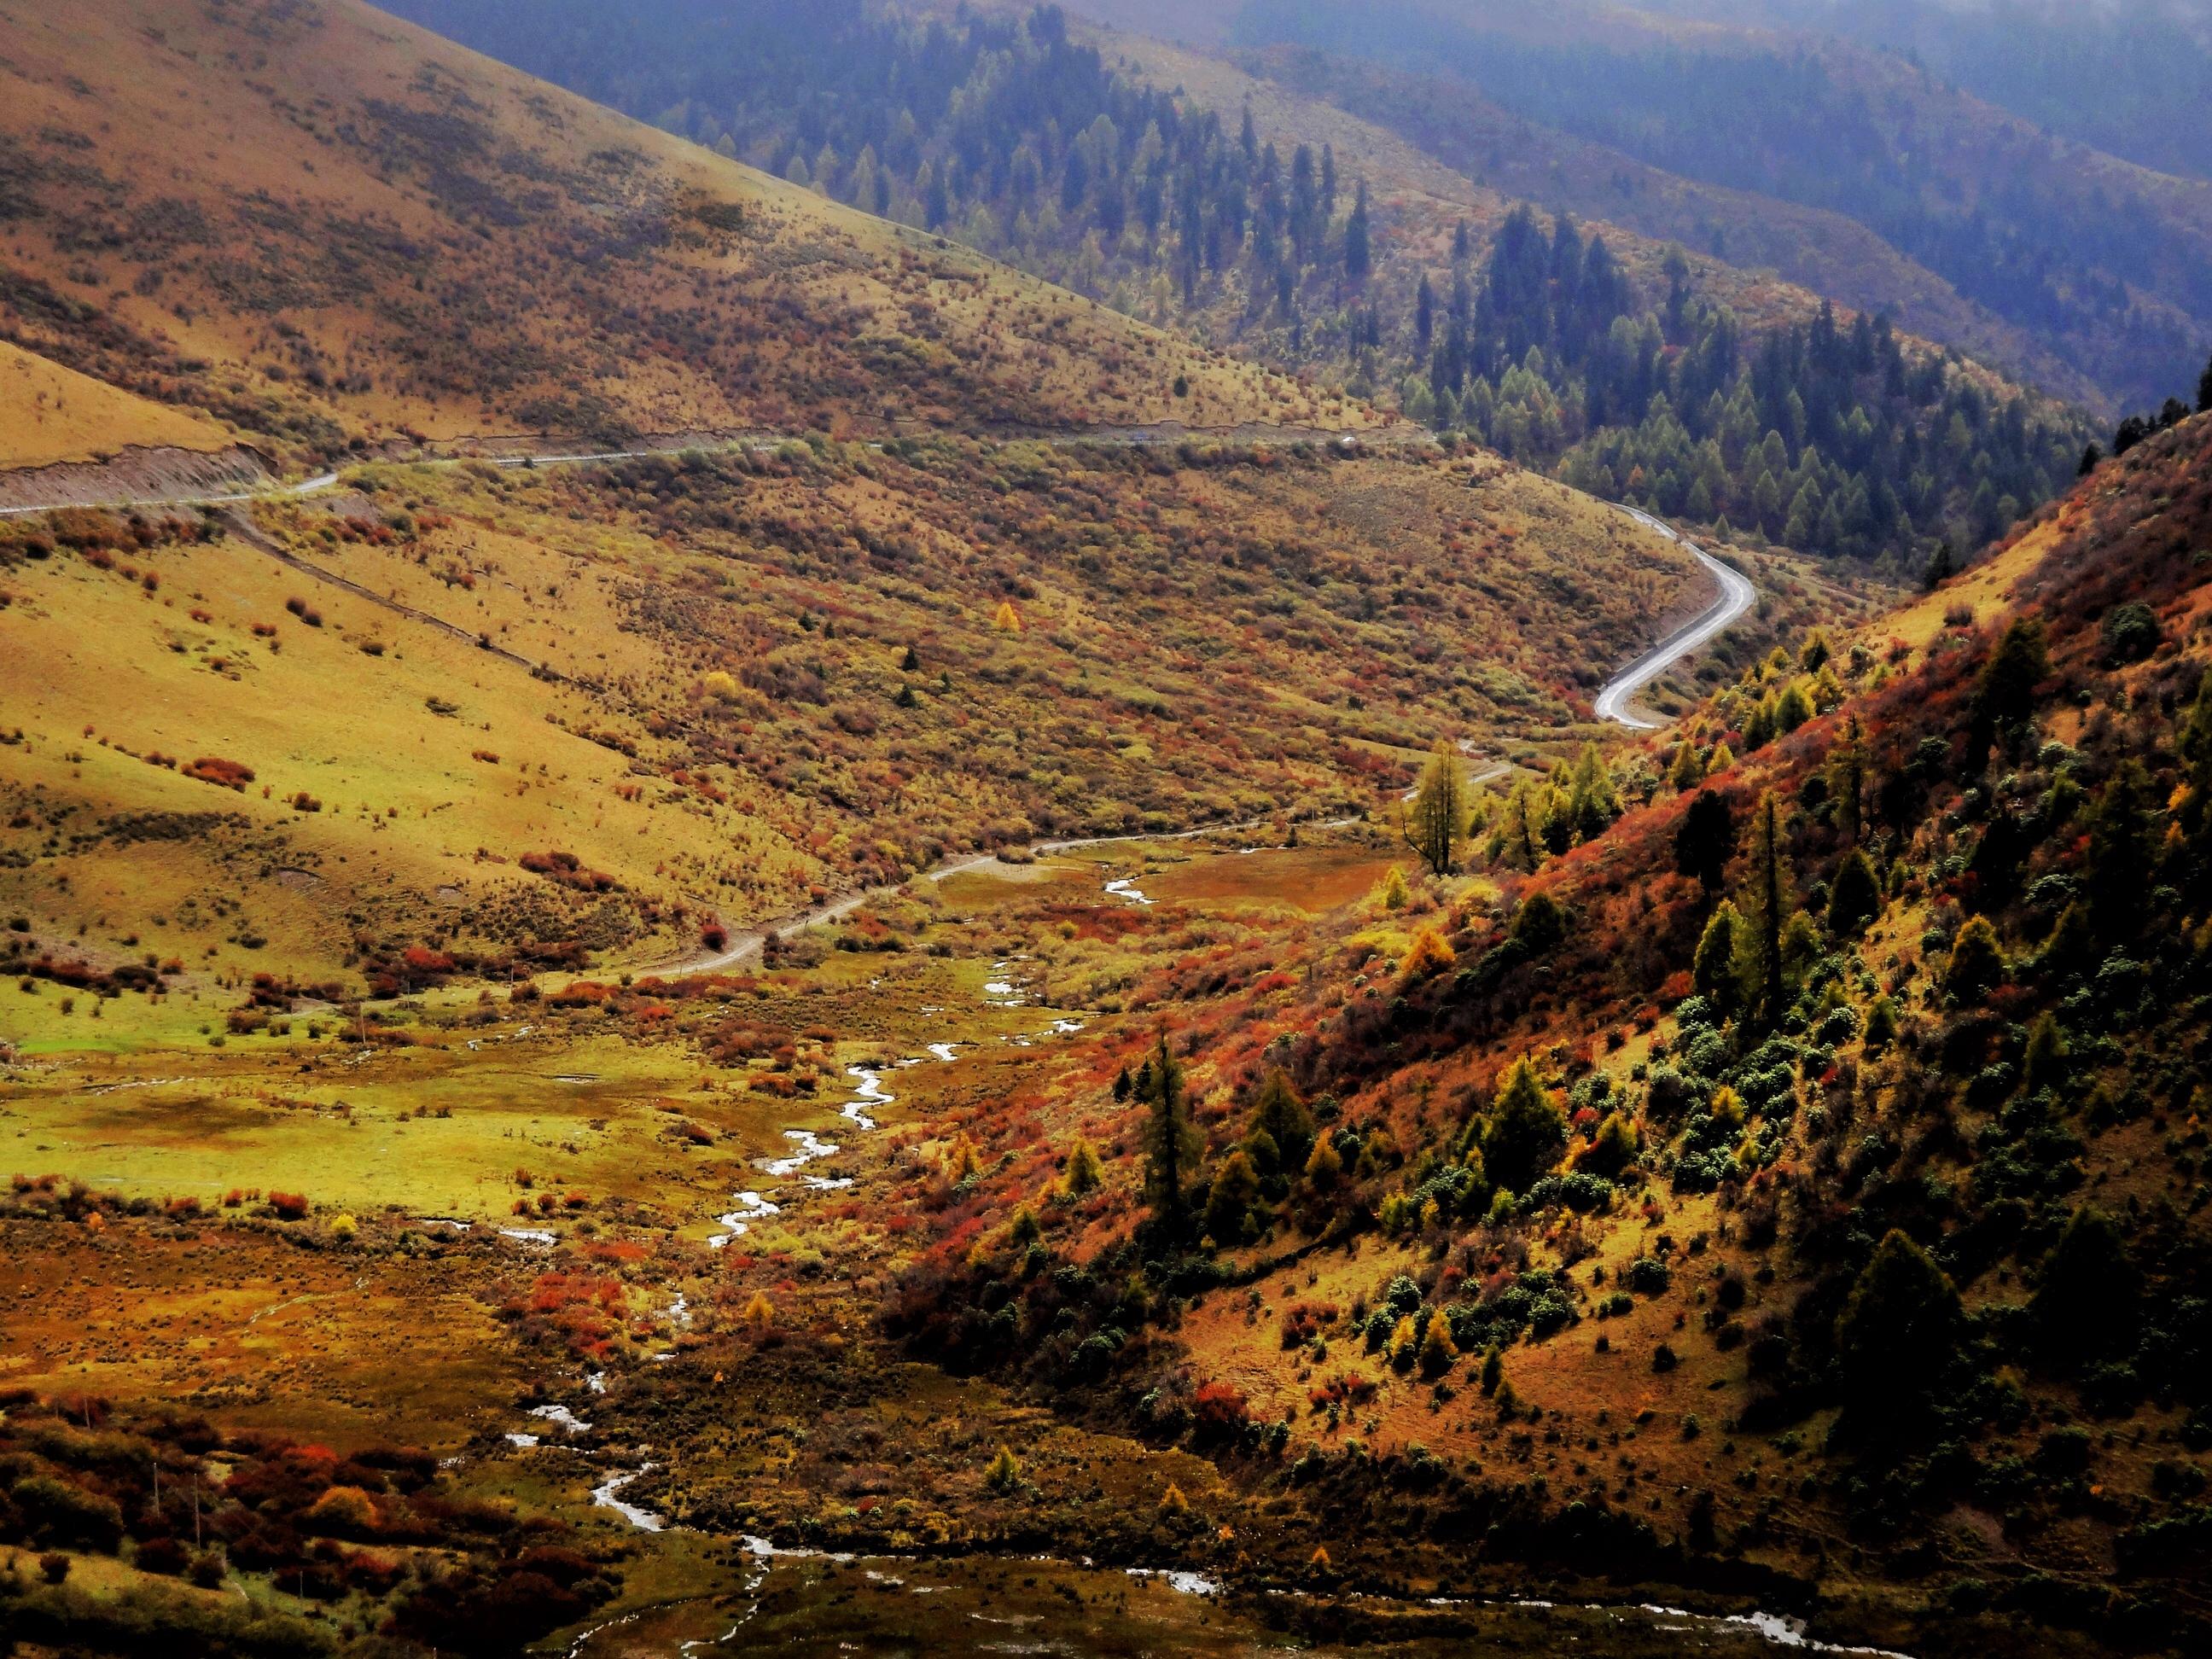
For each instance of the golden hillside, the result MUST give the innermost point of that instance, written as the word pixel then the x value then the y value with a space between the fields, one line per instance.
pixel 318 224
pixel 51 414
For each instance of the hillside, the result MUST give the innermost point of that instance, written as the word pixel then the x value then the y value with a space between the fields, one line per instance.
pixel 1825 1199
pixel 723 930
pixel 1183 191
pixel 2101 260
pixel 1817 251
pixel 724 684
pixel 2109 76
pixel 52 416
pixel 383 241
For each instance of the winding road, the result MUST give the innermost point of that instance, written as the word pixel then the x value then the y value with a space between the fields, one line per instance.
pixel 1613 700
pixel 1736 596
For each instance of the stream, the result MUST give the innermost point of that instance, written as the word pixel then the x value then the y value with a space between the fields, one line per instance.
pixel 1049 1620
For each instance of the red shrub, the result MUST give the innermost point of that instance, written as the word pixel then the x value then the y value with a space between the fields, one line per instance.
pixel 227 774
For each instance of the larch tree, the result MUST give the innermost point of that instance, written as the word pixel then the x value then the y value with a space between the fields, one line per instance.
pixel 1769 910
pixel 1847 773
pixel 1435 819
pixel 1713 970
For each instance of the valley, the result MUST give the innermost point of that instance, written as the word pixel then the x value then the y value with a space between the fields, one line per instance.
pixel 977 830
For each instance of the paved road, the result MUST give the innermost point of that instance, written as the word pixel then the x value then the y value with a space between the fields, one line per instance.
pixel 1736 596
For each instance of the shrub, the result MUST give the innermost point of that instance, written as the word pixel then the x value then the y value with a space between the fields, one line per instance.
pixel 224 773
pixel 341 1512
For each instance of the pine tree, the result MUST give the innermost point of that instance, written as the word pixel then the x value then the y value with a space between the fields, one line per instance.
pixel 1705 840
pixel 1977 963
pixel 2045 1064
pixel 1846 773
pixel 2004 691
pixel 1358 254
pixel 1236 1189
pixel 1435 819
pixel 1854 896
pixel 1758 726
pixel 2123 838
pixel 2086 1302
pixel 1899 1333
pixel 1793 707
pixel 1171 1147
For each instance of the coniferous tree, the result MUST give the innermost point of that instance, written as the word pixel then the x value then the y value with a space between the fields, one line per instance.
pixel 1898 1334
pixel 2085 1303
pixel 1854 896
pixel 1228 1203
pixel 2004 691
pixel 1525 1135
pixel 1768 911
pixel 1977 963
pixel 1083 1172
pixel 1846 775
pixel 1279 1115
pixel 1171 1147
pixel 1435 819
pixel 2123 838
pixel 1705 840
pixel 1358 254
pixel 1714 968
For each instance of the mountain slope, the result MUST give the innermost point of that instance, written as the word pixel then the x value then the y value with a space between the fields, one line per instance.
pixel 51 414
pixel 320 224
pixel 1164 185
pixel 1823 253
pixel 1872 1254
pixel 2103 260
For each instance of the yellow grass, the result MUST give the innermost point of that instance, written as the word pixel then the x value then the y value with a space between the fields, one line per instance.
pixel 50 414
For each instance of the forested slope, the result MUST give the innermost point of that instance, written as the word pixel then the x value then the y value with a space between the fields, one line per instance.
pixel 1536 340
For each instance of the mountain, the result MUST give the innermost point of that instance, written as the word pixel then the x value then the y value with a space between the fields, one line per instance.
pixel 393 239
pixel 699 686
pixel 53 416
pixel 2115 77
pixel 736 930
pixel 1802 1169
pixel 1159 183
pixel 2099 258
